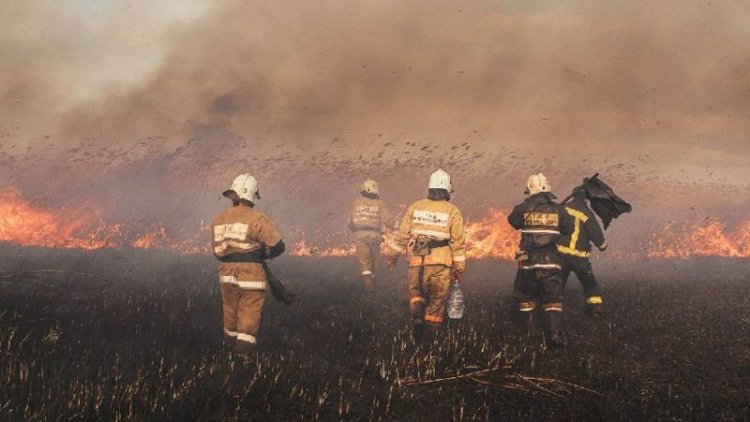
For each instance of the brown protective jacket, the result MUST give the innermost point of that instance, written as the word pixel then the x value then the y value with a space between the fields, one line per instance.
pixel 368 216
pixel 435 220
pixel 241 229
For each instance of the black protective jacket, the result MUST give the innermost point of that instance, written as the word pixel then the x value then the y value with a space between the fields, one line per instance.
pixel 542 221
pixel 586 230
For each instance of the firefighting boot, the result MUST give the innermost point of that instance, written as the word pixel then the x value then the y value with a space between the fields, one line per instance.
pixel 367 282
pixel 594 307
pixel 417 329
pixel 555 337
pixel 245 350
pixel 416 310
pixel 431 330
pixel 525 322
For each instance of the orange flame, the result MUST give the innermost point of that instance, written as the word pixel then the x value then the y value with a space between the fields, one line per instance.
pixel 82 228
pixel 707 238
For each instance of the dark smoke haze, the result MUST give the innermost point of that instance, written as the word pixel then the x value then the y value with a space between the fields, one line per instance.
pixel 155 109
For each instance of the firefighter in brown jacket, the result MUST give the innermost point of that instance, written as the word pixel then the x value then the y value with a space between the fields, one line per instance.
pixel 243 238
pixel 366 220
pixel 432 232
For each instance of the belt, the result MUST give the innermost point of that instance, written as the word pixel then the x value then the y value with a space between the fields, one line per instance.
pixel 432 244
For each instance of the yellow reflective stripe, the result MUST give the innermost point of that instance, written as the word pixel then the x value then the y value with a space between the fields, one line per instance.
pixel 575 252
pixel 594 300
pixel 577 214
pixel 459 258
pixel 578 217
pixel 230 333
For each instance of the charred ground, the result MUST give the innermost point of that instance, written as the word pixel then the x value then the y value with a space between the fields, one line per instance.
pixel 127 334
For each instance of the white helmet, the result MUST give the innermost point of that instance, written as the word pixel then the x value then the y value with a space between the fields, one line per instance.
pixel 440 180
pixel 370 186
pixel 537 183
pixel 244 186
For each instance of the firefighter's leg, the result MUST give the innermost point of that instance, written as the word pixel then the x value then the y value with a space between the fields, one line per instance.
pixel 585 273
pixel 416 300
pixel 364 257
pixel 565 273
pixel 552 303
pixel 526 292
pixel 374 254
pixel 250 307
pixel 230 302
pixel 437 282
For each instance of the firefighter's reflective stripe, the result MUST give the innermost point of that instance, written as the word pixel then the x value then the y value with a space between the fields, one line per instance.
pixel 540 231
pixel 574 252
pixel 604 245
pixel 553 307
pixel 542 267
pixel 577 214
pixel 243 284
pixel 526 306
pixel 578 218
pixel 432 233
pixel 459 258
pixel 594 300
pixel 245 246
pixel 433 318
pixel 230 333
pixel 416 299
pixel 366 272
pixel 246 338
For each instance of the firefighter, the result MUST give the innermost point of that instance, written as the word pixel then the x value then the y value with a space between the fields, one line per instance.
pixel 243 239
pixel 576 250
pixel 368 216
pixel 538 281
pixel 432 231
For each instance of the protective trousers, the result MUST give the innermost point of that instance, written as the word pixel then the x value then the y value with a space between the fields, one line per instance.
pixel 428 293
pixel 367 253
pixel 581 267
pixel 536 286
pixel 242 311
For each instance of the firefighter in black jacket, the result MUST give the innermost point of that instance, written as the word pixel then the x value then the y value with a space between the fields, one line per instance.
pixel 575 250
pixel 538 282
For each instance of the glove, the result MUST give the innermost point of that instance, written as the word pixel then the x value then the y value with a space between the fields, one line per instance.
pixel 458 275
pixel 391 262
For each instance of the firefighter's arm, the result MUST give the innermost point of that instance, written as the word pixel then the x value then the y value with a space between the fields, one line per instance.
pixel 270 237
pixel 397 245
pixel 386 218
pixel 515 218
pixel 457 244
pixel 595 232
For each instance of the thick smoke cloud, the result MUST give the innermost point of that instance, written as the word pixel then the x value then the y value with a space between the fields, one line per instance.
pixel 314 96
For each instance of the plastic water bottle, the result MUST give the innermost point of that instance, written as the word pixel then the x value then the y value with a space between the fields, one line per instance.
pixel 456 301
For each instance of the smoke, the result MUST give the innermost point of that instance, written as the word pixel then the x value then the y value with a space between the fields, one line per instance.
pixel 162 108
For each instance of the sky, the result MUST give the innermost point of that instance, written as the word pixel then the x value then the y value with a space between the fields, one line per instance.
pixel 143 101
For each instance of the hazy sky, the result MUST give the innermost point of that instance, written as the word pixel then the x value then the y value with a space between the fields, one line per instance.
pixel 318 94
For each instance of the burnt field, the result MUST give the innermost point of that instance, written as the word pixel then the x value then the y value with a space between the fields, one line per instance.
pixel 128 334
